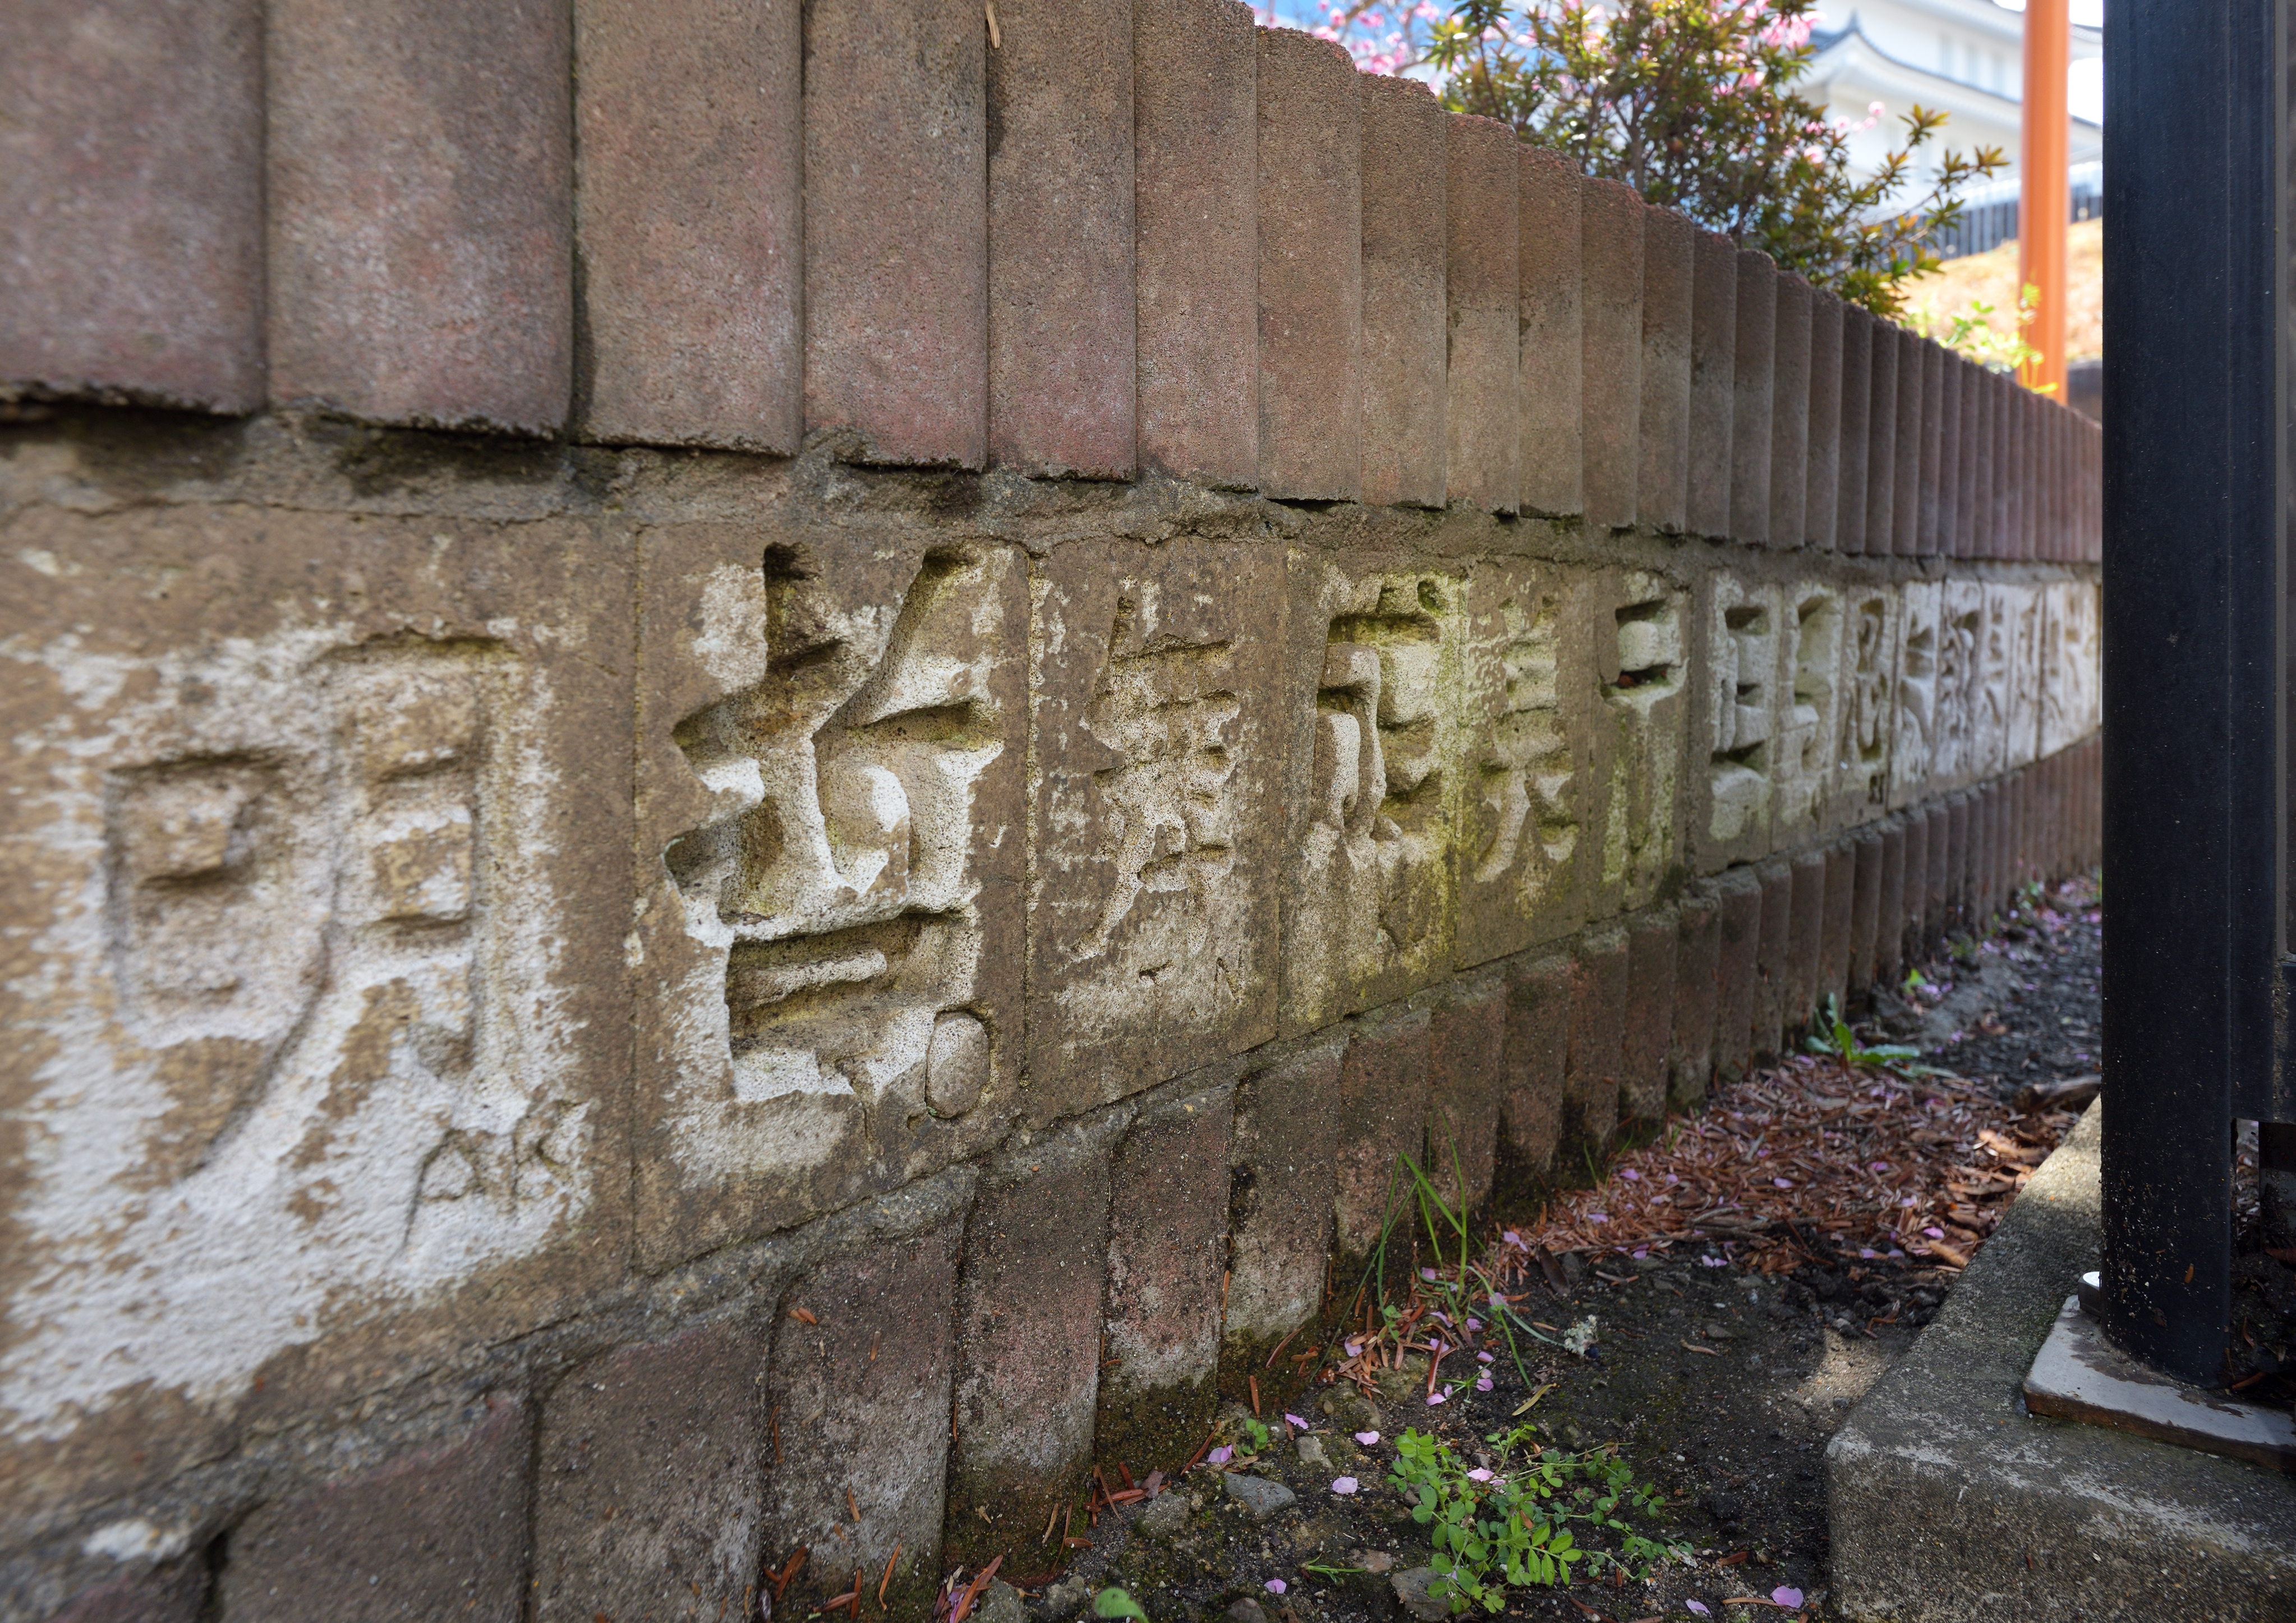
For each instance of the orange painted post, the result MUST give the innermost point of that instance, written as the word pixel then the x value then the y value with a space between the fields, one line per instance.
pixel 2045 200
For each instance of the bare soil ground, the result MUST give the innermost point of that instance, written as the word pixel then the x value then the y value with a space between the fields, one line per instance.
pixel 1724 1358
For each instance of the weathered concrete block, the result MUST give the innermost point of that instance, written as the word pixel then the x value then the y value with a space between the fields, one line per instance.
pixel 1466 1085
pixel 1985 484
pixel 1538 1046
pixel 131 205
pixel 1635 800
pixel 1168 1226
pixel 1835 927
pixel 1483 439
pixel 2091 542
pixel 1552 347
pixel 1371 893
pixel 1648 1036
pixel 1280 1203
pixel 1310 268
pixel 1744 677
pixel 1960 903
pixel 1382 1115
pixel 1789 411
pixel 1774 956
pixel 1713 382
pixel 1854 429
pixel 1900 861
pixel 2016 611
pixel 172 1592
pixel 1929 513
pixel 439 1532
pixel 1913 745
pixel 1869 860
pixel 1969 388
pixel 841 840
pixel 1913 928
pixel 857 1431
pixel 2018 449
pixel 418 190
pixel 1869 703
pixel 650 1463
pixel 1987 857
pixel 1938 889
pixel 1959 698
pixel 1669 316
pixel 1881 441
pixel 1945 472
pixel 1061 362
pixel 896 149
pixel 690 207
pixel 1405 234
pixel 1820 510
pixel 1737 977
pixel 1804 940
pixel 283 932
pixel 1195 133
pixel 1810 720
pixel 2072 664
pixel 1596 1057
pixel 1754 397
pixel 1028 1325
pixel 1697 967
pixel 1158 722
pixel 1910 476
pixel 1611 335
pixel 2002 389
pixel 1527 665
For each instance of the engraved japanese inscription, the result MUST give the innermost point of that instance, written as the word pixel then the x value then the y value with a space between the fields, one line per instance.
pixel 1370 903
pixel 1154 709
pixel 833 1009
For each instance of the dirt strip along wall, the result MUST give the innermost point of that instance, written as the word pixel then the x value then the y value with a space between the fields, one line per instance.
pixel 760 759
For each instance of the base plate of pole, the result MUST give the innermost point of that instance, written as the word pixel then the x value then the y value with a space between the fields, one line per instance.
pixel 2080 1375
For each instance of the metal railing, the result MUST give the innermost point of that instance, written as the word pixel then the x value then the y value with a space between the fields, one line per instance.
pixel 1988 213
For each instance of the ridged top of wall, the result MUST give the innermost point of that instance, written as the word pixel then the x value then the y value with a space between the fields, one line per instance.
pixel 1119 235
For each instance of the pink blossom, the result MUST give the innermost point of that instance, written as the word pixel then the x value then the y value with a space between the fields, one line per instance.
pixel 1367 1437
pixel 1344 1486
pixel 1221 1455
pixel 1277 1586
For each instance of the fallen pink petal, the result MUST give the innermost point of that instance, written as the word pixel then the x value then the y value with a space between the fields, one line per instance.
pixel 1791 1599
pixel 1344 1486
pixel 1367 1437
pixel 1277 1586
pixel 1221 1455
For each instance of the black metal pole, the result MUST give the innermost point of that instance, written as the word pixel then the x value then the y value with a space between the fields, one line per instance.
pixel 2190 578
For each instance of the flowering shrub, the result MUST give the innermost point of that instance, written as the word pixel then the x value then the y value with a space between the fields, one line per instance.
pixel 1383 36
pixel 1691 102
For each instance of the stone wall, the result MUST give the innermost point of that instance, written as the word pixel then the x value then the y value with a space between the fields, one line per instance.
pixel 805 739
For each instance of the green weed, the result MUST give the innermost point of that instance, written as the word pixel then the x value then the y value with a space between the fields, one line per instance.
pixel 1509 1525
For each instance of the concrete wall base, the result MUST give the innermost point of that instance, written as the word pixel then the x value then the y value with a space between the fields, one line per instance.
pixel 1949 1500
